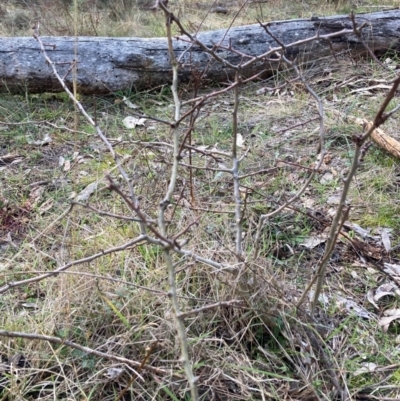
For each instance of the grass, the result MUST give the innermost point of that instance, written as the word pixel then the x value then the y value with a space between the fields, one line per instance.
pixel 132 18
pixel 119 303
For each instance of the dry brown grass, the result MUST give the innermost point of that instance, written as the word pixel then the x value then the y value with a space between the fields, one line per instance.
pixel 132 17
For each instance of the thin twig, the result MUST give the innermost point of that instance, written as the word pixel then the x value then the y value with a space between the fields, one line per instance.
pixel 358 32
pixel 113 215
pixel 140 367
pixel 90 258
pixel 235 171
pixel 359 141
pixel 68 343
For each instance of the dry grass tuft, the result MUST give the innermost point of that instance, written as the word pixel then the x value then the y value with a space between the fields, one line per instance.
pixel 133 18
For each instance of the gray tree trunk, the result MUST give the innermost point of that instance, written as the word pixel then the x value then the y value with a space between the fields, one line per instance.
pixel 110 64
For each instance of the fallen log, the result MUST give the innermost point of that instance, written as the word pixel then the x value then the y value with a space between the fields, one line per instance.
pixel 107 64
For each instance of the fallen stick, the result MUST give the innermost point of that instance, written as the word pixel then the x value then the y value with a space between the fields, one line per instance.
pixel 380 138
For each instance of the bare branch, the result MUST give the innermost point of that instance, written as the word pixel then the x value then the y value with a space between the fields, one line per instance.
pixel 68 343
pixel 359 141
pixel 179 322
pixel 120 248
pixel 102 213
pixel 235 171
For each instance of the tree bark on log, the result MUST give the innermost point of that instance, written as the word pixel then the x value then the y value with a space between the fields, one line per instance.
pixel 110 64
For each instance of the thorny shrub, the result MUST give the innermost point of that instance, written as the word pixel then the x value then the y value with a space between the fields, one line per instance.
pixel 225 275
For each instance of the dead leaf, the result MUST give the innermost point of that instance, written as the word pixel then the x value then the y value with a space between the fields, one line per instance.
pixel 390 316
pixel 264 90
pixel 10 159
pixel 202 148
pixel 114 373
pixel 132 122
pixel 308 202
pixel 333 200
pixel 386 240
pixel 86 192
pixel 129 103
pixel 323 298
pixel 328 158
pixel 367 367
pixel 29 305
pixel 352 307
pixel 45 141
pixel 239 140
pixel 386 289
pixel 67 165
pixel 8 240
pixel 314 240
pixel 364 233
pixel 46 206
pixel 370 298
pixel 354 274
pixel 391 269
pixel 35 195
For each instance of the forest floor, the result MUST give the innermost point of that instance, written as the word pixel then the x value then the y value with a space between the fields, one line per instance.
pixel 117 302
